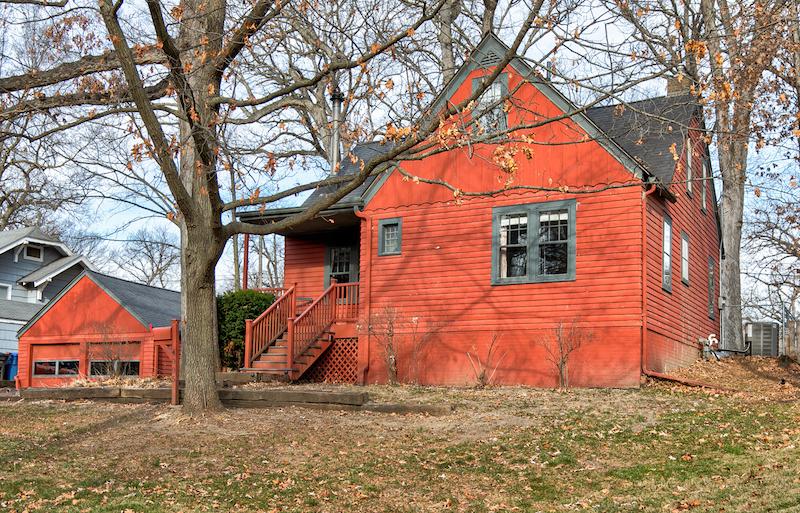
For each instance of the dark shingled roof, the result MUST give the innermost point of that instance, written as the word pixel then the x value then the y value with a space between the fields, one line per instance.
pixel 18 310
pixel 54 267
pixel 151 305
pixel 364 153
pixel 647 129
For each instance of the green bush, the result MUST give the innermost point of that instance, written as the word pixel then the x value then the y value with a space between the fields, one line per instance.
pixel 232 309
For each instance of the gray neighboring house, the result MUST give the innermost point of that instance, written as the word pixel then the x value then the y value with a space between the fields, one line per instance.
pixel 34 267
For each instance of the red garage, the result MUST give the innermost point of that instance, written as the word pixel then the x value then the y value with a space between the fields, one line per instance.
pixel 99 326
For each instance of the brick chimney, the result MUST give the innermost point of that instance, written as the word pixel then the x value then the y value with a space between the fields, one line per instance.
pixel 676 87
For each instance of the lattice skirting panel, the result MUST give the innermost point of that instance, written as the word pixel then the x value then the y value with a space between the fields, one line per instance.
pixel 339 364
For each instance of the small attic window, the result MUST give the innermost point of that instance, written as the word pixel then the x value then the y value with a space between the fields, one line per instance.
pixel 33 252
pixel 490 104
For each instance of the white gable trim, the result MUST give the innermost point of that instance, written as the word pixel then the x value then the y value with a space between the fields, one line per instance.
pixel 30 240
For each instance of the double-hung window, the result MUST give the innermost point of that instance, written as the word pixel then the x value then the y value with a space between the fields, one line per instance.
pixel 534 243
pixel 390 236
pixel 689 165
pixel 685 257
pixel 666 259
pixel 711 287
pixel 489 108
pixel 704 188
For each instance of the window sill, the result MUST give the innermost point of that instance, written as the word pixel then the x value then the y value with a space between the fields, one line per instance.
pixel 394 253
pixel 668 290
pixel 685 282
pixel 528 281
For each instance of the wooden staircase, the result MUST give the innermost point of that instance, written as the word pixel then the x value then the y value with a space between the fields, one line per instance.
pixel 285 345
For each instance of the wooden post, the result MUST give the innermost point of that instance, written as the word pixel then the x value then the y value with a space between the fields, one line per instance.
pixel 248 342
pixel 83 365
pixel 176 363
pixel 293 302
pixel 333 301
pixel 289 344
pixel 246 263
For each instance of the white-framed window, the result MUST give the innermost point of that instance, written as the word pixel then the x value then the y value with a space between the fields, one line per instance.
pixel 704 188
pixel 51 368
pixel 685 258
pixel 5 291
pixel 689 165
pixel 33 252
pixel 666 260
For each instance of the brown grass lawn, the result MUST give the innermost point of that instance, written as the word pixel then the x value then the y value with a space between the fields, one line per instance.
pixel 659 448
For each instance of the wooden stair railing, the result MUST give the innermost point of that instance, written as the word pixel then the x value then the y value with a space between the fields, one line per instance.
pixel 269 326
pixel 346 301
pixel 307 327
pixel 338 302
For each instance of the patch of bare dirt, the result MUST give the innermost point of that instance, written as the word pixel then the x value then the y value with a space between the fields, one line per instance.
pixel 755 377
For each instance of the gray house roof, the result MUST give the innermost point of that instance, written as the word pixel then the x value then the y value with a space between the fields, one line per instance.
pixel 10 239
pixel 18 310
pixel 54 268
pixel 362 154
pixel 649 129
pixel 10 236
pixel 150 305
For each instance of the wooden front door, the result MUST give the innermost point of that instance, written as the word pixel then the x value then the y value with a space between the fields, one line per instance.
pixel 342 264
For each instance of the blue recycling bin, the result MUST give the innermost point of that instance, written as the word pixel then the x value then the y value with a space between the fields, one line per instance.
pixel 11 367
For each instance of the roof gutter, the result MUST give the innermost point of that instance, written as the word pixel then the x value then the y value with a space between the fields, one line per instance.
pixel 278 214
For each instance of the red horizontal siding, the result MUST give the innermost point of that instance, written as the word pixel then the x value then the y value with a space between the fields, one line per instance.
pixel 304 264
pixel 610 359
pixel 678 319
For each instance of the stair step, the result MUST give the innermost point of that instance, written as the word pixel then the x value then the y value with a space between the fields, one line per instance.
pixel 271 366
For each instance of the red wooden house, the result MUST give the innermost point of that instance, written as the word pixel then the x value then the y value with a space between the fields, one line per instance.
pixel 98 326
pixel 633 267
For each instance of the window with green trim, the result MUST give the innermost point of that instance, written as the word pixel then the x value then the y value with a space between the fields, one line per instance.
pixel 685 258
pixel 711 288
pixel 489 107
pixel 666 259
pixel 533 243
pixel 390 236
pixel 704 188
pixel 689 152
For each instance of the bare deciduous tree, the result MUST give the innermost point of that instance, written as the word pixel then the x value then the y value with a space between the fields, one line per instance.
pixel 560 342
pixel 151 256
pixel 484 369
pixel 726 52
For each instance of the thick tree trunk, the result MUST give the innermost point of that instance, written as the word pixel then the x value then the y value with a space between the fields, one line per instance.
pixel 733 152
pixel 201 236
pixel 447 16
pixel 732 211
pixel 200 349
